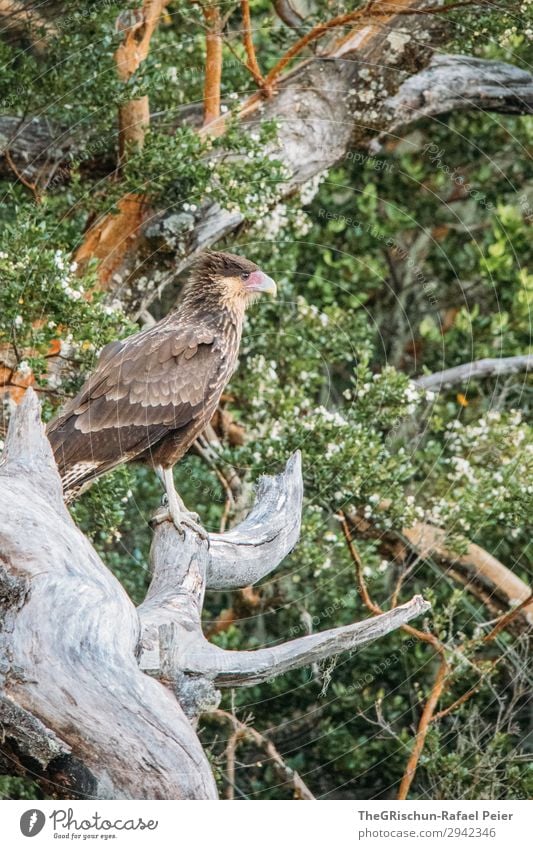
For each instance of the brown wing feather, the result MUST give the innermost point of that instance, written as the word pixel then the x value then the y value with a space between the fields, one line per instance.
pixel 161 380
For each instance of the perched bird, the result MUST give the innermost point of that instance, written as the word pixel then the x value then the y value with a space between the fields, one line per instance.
pixel 153 393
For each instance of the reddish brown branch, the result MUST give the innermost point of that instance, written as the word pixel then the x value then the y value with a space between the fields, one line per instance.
pixel 318 31
pixel 440 679
pixel 423 728
pixel 110 236
pixel 134 115
pixel 251 63
pixel 361 583
pixel 371 9
pixel 213 63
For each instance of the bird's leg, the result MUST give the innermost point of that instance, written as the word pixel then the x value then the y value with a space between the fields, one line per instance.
pixel 176 508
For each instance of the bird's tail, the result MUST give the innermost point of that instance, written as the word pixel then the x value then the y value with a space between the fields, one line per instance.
pixel 76 474
pixel 77 479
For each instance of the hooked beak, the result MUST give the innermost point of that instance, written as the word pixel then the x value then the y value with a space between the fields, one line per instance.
pixel 258 281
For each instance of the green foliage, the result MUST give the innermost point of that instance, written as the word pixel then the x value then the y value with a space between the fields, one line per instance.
pixel 184 169
pixel 46 308
pixel 18 788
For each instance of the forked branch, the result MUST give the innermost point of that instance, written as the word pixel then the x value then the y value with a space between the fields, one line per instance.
pixel 173 646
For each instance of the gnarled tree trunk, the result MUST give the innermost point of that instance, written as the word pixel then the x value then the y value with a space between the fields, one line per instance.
pixel 98 698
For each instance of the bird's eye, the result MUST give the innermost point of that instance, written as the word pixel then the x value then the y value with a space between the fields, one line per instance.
pixel 245 275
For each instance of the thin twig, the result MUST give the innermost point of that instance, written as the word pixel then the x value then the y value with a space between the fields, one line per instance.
pixel 507 618
pixel 457 703
pixel 361 584
pixel 20 176
pixel 241 731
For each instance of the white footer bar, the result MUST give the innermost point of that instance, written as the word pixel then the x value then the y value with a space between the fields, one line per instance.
pixel 224 825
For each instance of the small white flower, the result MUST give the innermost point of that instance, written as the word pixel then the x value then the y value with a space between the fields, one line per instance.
pixel 59 260
pixel 24 368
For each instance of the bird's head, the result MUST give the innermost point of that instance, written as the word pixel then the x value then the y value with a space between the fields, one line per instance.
pixel 234 280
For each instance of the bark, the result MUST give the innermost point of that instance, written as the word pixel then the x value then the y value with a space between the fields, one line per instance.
pixel 99 699
pixel 247 37
pixel 137 27
pixel 213 63
pixel 108 239
pixel 457 83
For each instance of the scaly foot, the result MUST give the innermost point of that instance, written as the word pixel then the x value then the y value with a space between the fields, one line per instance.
pixel 184 518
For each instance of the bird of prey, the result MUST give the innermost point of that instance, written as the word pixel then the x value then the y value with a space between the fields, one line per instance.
pixel 152 394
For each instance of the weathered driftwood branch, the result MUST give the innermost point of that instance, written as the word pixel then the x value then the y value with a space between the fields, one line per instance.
pixel 489 367
pixel 76 711
pixel 173 646
pixel 246 668
pixel 456 83
pixel 450 83
pixel 76 707
pixel 258 544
